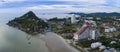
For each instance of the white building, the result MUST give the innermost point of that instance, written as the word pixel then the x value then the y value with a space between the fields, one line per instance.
pixel 89 18
pixel 102 47
pixel 87 31
pixel 110 29
pixel 98 18
pixel 112 42
pixel 96 45
pixel 73 18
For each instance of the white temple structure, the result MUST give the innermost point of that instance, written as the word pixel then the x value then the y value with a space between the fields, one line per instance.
pixel 87 31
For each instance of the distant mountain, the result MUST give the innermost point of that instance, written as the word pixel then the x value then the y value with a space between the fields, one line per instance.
pixel 76 13
pixel 29 23
pixel 99 14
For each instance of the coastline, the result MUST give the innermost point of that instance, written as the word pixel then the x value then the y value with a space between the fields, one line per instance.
pixel 57 44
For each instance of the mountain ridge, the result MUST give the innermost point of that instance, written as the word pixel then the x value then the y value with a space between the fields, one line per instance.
pixel 97 14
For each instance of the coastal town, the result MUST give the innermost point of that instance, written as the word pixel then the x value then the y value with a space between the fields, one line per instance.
pixel 59 25
pixel 89 33
pixel 84 32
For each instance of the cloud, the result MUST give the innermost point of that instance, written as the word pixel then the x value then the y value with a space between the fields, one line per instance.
pixel 117 3
pixel 57 6
pixel 14 0
pixel 41 7
pixel 4 2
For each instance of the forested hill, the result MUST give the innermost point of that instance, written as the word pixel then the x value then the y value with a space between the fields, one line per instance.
pixel 29 23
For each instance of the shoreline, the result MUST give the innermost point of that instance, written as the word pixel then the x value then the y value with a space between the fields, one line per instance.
pixel 54 41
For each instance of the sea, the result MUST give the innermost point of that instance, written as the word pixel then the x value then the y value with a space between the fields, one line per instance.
pixel 15 40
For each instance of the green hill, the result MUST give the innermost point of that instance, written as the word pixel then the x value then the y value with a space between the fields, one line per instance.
pixel 29 23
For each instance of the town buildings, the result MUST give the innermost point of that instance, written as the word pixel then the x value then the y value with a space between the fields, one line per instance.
pixel 108 27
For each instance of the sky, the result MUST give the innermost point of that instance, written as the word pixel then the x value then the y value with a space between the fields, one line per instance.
pixel 10 8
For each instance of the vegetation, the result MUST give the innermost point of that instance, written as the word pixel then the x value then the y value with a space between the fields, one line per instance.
pixel 85 43
pixel 56 19
pixel 69 28
pixel 29 23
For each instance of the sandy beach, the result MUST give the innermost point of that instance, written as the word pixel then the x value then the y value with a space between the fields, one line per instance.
pixel 56 43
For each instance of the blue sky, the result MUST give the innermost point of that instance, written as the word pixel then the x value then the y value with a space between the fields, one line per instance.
pixel 15 7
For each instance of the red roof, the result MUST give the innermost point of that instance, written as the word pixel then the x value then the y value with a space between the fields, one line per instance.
pixel 106 24
pixel 83 28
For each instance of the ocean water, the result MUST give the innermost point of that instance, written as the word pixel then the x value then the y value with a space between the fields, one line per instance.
pixel 15 40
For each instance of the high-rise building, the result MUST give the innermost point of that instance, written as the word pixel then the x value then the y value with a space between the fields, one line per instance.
pixel 87 31
pixel 73 19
